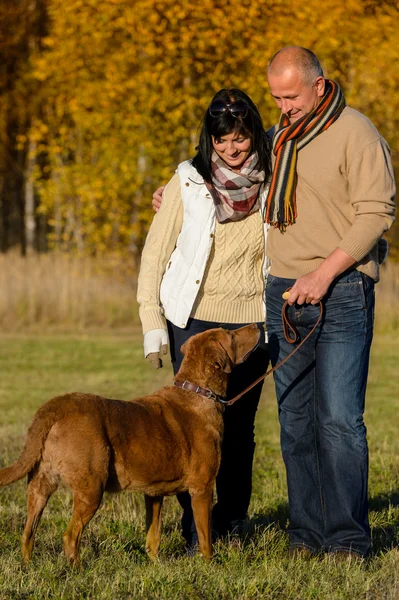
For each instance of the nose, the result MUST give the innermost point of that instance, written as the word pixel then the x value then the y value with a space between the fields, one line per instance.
pixel 285 106
pixel 230 148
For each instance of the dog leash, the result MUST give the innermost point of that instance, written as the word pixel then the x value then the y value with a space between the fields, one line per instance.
pixel 291 335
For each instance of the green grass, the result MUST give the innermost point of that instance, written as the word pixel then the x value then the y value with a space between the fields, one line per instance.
pixel 114 564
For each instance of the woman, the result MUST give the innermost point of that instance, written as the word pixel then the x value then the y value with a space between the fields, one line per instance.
pixel 201 268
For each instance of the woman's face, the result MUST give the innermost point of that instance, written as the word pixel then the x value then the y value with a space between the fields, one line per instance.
pixel 234 148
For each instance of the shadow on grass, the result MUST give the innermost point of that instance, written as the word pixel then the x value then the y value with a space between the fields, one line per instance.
pixel 278 516
pixel 136 549
pixel 385 501
pixel 385 536
pixel 384 539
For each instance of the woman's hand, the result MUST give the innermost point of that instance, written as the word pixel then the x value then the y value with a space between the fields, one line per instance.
pixel 157 198
pixel 155 344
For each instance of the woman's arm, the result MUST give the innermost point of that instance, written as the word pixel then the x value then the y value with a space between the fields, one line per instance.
pixel 159 245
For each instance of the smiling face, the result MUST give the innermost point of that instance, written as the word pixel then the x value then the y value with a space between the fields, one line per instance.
pixel 234 148
pixel 294 97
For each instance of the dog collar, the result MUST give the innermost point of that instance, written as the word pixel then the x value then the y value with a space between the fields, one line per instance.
pixel 192 387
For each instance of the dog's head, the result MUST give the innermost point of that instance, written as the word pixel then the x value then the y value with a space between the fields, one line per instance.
pixel 218 350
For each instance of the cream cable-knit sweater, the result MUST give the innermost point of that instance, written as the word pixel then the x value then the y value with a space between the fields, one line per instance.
pixel 232 287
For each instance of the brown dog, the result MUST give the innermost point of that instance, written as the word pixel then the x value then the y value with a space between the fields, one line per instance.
pixel 161 444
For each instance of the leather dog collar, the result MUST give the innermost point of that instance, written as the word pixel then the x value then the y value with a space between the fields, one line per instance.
pixel 192 387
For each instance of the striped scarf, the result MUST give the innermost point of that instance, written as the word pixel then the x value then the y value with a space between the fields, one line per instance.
pixel 234 194
pixel 281 208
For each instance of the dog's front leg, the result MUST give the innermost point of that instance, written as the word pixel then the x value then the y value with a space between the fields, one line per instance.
pixel 202 504
pixel 153 507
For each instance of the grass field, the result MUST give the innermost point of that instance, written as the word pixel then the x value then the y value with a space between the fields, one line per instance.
pixel 114 564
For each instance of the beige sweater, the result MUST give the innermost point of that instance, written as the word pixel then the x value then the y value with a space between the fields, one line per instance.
pixel 232 287
pixel 345 199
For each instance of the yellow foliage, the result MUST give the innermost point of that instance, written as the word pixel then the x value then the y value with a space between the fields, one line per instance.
pixel 125 84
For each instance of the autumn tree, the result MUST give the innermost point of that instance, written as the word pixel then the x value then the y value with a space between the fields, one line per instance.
pixel 22 26
pixel 123 85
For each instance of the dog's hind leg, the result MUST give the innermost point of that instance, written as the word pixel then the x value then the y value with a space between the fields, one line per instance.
pixel 153 508
pixel 85 505
pixel 202 504
pixel 40 488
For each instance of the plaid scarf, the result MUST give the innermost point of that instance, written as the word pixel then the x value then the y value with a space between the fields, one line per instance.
pixel 287 141
pixel 235 195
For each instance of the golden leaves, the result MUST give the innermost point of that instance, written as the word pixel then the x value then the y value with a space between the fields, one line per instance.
pixel 124 85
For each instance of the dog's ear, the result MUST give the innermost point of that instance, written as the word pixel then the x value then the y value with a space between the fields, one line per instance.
pixel 183 348
pixel 221 358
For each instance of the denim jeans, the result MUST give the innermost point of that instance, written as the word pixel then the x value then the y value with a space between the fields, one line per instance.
pixel 234 480
pixel 321 393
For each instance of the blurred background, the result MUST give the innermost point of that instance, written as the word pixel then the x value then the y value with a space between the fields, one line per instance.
pixel 101 99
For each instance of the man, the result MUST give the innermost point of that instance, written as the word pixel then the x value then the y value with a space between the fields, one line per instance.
pixel 331 199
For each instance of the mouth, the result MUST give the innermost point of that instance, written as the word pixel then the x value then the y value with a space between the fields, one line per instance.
pixel 253 347
pixel 252 350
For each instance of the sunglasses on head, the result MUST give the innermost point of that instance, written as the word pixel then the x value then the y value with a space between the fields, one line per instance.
pixel 236 109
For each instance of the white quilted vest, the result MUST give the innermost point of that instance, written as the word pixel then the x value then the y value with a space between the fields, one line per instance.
pixel 186 267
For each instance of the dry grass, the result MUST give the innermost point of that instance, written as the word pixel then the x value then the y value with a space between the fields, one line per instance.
pixel 58 292
pixel 387 291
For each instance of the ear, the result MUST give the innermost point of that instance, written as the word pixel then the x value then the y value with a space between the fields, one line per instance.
pixel 221 357
pixel 320 85
pixel 183 348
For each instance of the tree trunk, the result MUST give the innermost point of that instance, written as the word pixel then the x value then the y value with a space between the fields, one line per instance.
pixel 30 201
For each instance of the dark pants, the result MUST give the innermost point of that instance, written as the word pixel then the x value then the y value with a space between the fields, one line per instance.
pixel 321 393
pixel 234 480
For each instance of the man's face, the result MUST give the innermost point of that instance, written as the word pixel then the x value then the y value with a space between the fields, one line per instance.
pixel 293 96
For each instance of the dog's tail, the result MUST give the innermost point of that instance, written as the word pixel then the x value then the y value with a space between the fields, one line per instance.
pixel 36 436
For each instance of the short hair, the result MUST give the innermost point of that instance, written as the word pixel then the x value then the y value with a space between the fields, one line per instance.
pixel 249 126
pixel 301 58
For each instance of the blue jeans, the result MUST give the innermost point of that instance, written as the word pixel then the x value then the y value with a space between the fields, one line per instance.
pixel 321 393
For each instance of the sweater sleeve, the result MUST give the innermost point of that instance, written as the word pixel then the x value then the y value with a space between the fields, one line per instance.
pixel 159 245
pixel 372 193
